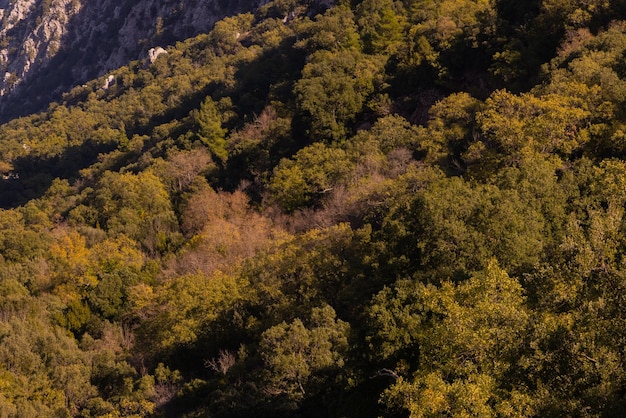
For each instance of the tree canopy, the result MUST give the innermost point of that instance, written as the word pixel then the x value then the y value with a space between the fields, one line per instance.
pixel 371 208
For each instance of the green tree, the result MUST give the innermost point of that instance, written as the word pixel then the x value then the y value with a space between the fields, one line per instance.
pixel 303 180
pixel 296 356
pixel 334 31
pixel 226 33
pixel 185 308
pixel 449 228
pixel 136 205
pixel 468 338
pixel 42 370
pixel 450 129
pixel 512 128
pixel 589 70
pixel 382 24
pixel 210 130
pixel 333 89
pixel 322 266
pixel 449 36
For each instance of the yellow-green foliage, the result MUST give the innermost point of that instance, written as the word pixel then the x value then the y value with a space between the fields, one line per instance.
pixel 379 208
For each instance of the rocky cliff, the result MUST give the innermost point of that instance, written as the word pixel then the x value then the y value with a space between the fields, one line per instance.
pixel 47 46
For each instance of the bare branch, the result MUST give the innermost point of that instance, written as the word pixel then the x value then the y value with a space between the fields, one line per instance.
pixel 386 372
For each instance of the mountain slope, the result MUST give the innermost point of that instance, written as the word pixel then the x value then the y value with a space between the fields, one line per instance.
pixel 379 208
pixel 48 46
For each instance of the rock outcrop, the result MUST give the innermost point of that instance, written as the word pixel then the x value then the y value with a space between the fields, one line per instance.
pixel 48 46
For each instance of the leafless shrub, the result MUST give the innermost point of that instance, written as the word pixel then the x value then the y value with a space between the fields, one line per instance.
pixel 222 363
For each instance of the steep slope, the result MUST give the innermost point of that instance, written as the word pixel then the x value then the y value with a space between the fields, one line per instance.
pixel 260 222
pixel 47 46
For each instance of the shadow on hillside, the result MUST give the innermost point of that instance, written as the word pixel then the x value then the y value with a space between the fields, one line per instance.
pixel 269 79
pixel 32 177
pixel 92 46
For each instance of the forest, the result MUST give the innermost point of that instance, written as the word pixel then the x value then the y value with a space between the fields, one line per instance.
pixel 377 208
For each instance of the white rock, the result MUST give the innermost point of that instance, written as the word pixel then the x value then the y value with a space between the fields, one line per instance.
pixel 109 82
pixel 154 53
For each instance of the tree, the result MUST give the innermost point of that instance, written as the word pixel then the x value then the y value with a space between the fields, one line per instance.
pixel 589 70
pixel 182 168
pixel 450 228
pixel 303 180
pixel 43 372
pixel 210 130
pixel 450 129
pixel 185 308
pixel 467 337
pixel 226 32
pixel 223 229
pixel 136 205
pixel 449 36
pixel 296 356
pixel 334 31
pixel 512 128
pixel 333 89
pixel 382 24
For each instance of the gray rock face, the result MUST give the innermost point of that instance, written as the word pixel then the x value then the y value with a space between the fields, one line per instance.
pixel 48 46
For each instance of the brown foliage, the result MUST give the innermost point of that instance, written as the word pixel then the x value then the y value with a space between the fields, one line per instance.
pixel 223 230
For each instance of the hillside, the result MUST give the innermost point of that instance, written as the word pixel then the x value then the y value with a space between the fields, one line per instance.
pixel 50 46
pixel 363 209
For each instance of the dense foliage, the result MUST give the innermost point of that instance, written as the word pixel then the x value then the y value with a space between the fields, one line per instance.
pixel 379 208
